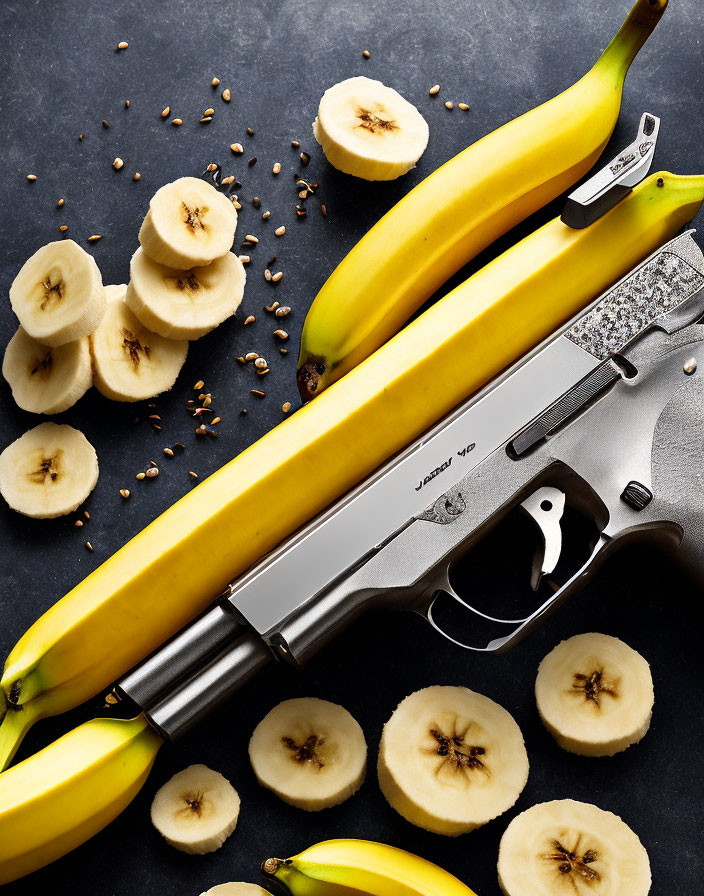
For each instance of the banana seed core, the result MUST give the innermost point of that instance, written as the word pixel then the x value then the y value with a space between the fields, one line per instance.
pixel 51 290
pixel 455 753
pixel 593 686
pixel 48 466
pixel 194 217
pixel 133 347
pixel 309 751
pixel 374 123
pixel 574 862
pixel 42 366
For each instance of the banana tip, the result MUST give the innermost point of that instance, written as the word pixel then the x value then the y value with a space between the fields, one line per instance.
pixel 272 865
pixel 309 376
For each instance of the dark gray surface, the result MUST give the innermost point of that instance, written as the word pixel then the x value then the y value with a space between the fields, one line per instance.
pixel 60 77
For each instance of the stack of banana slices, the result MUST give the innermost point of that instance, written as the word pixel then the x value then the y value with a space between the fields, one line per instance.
pixel 129 341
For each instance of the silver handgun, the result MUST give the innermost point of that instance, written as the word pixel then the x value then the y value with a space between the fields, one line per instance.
pixel 606 418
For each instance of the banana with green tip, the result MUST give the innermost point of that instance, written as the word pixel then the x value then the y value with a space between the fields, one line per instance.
pixel 461 208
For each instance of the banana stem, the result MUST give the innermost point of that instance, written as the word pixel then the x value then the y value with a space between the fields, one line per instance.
pixel 620 53
pixel 15 724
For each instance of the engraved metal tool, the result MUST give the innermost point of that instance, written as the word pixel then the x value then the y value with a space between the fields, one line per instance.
pixel 606 416
pixel 610 184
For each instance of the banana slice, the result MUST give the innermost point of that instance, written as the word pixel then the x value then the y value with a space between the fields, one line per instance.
pixel 58 294
pixel 49 471
pixel 566 847
pixel 132 363
pixel 595 695
pixel 115 292
pixel 46 380
pixel 188 225
pixel 196 810
pixel 310 752
pixel 236 889
pixel 450 760
pixel 369 130
pixel 184 304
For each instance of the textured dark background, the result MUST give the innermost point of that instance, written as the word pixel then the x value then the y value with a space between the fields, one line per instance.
pixel 60 77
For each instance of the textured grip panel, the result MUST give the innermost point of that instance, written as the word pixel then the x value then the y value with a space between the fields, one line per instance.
pixel 678 467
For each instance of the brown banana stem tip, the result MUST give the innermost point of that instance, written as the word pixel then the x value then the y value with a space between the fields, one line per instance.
pixel 309 377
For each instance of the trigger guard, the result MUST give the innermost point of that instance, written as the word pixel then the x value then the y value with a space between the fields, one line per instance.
pixel 493 646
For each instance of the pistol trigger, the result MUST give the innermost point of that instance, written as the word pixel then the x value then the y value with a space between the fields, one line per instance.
pixel 546 506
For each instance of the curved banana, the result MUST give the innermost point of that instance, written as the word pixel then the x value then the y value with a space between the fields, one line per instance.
pixel 157 583
pixel 341 867
pixel 55 800
pixel 460 209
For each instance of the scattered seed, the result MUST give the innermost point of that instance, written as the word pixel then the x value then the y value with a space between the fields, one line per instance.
pixel 282 311
pixel 211 167
pixel 267 274
pixel 303 194
pixel 240 359
pixel 191 473
pixel 251 356
pixel 169 452
pixel 140 475
pixel 305 158
pixel 266 215
pixel 324 210
pixel 237 148
pixel 295 144
pixel 463 106
pixel 152 472
pixel 215 82
pixel 78 524
pixel 249 319
pixel 80 137
pixel 198 386
pixel 277 168
pixel 93 238
pixel 177 122
pixel 209 111
pixel 434 89
pixel 366 54
pixel 122 45
pixel 105 124
pixel 63 228
pixel 125 492
pixel 284 351
pixel 282 334
pixel 216 420
pixel 286 407
pixel 252 162
pixel 206 119
pixel 166 112
pixel 89 547
pixel 234 201
pixel 226 95
pixel 272 307
pixel 260 363
pixel 258 393
pixel 280 231
pixel 31 177
pixel 449 104
pixel 207 400
pixel 263 371
pixel 136 176
pixel 250 131
pixel 256 202
pixel 230 179
pixel 127 104
pixel 245 259
pixel 86 514
pixel 117 164
pixel 154 416
pixel 277 276
pixel 243 412
pixel 300 211
pixel 250 238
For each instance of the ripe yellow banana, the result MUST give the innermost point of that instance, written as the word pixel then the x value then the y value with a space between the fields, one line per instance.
pixel 349 867
pixel 55 800
pixel 159 581
pixel 461 208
